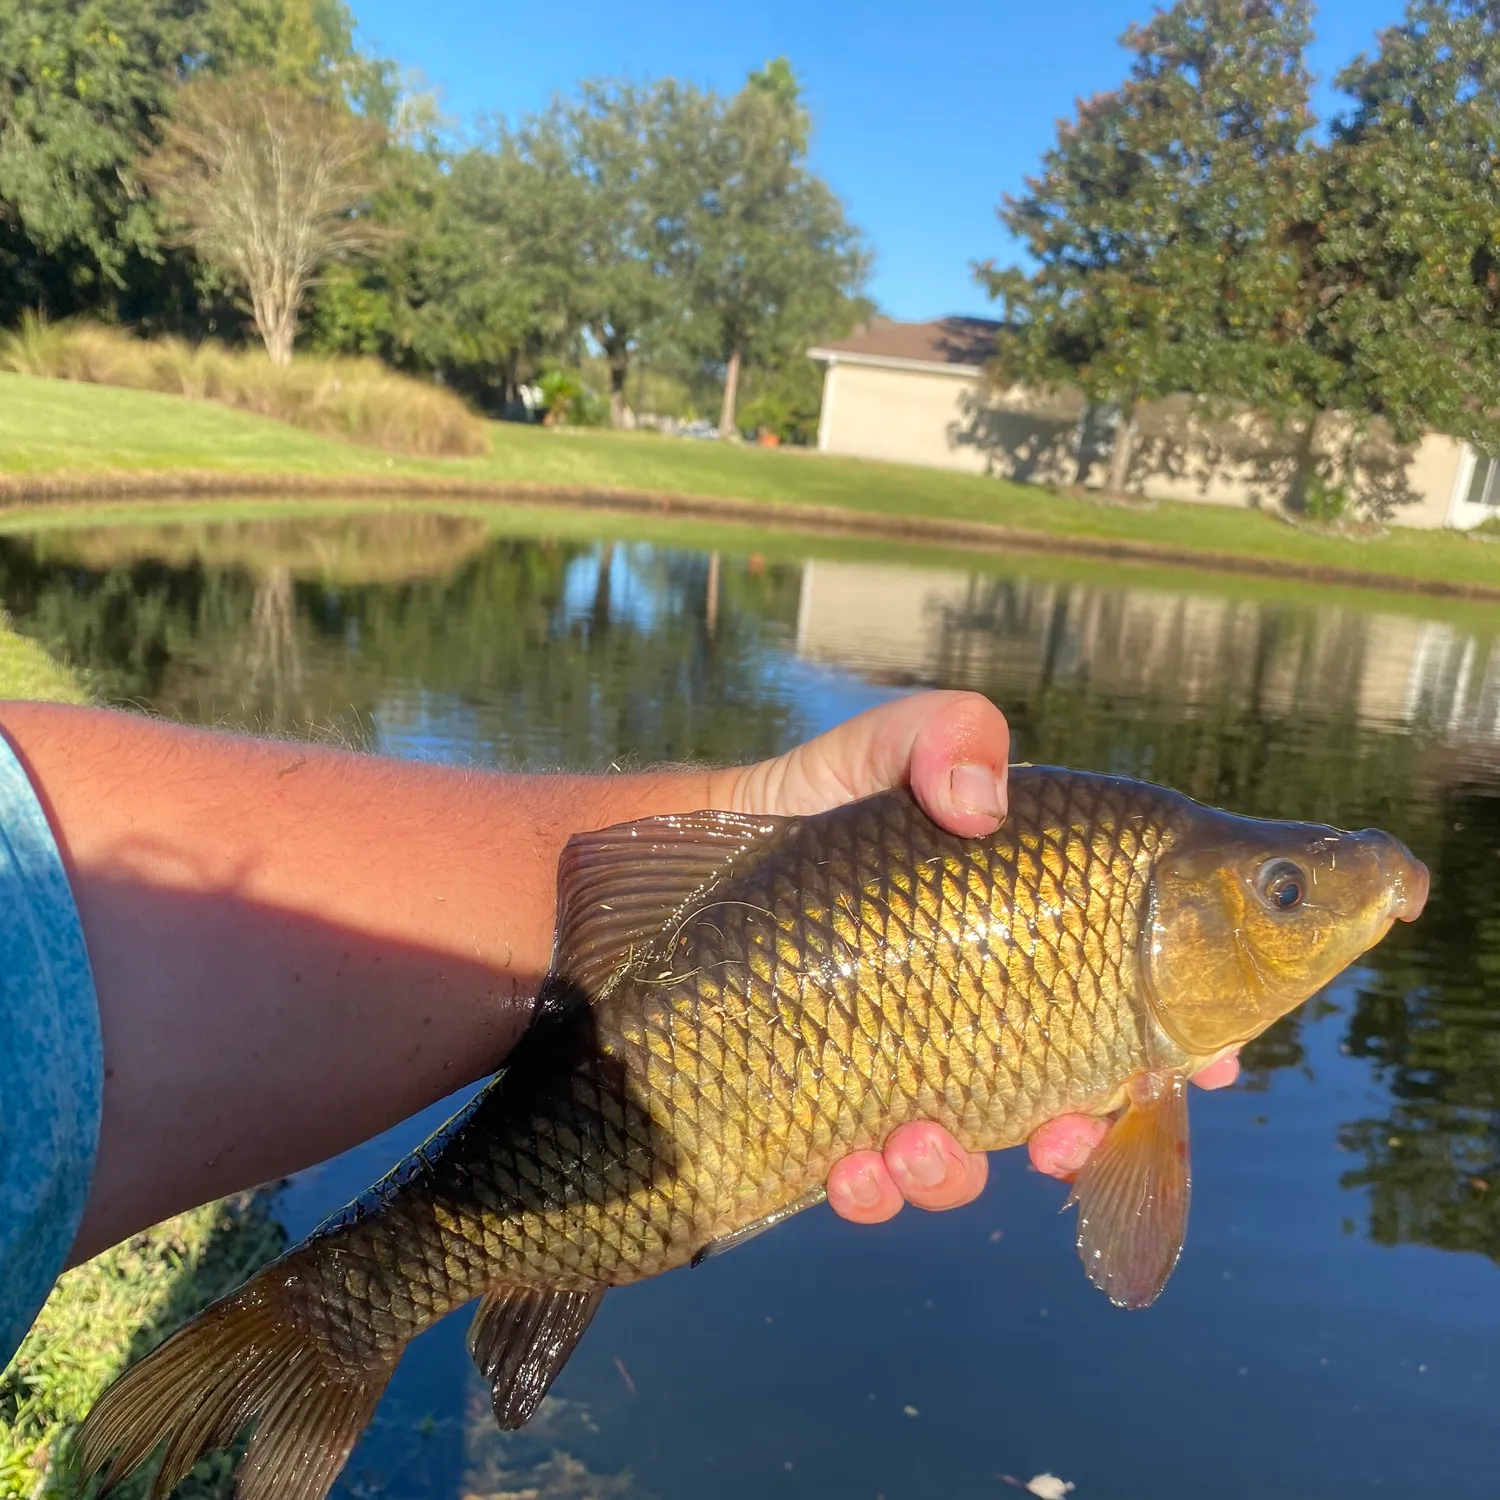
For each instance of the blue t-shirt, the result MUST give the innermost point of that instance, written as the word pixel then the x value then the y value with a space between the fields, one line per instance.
pixel 51 1059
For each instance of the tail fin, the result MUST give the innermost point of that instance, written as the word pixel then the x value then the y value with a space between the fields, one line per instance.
pixel 246 1357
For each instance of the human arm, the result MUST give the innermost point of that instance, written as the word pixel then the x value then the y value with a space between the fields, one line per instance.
pixel 295 947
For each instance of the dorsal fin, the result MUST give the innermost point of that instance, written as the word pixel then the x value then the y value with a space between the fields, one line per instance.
pixel 619 888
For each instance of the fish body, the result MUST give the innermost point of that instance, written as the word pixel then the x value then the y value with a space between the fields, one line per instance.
pixel 735 1004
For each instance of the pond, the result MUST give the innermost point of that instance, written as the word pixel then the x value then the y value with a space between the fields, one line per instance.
pixel 1334 1327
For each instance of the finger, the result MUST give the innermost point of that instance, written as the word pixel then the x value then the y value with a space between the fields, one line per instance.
pixel 931 1169
pixel 958 761
pixel 860 1189
pixel 1219 1075
pixel 951 746
pixel 1061 1146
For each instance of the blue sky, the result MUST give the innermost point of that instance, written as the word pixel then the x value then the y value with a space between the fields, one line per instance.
pixel 924 114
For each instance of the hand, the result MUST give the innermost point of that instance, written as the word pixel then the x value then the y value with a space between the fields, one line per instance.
pixel 923 1165
pixel 1061 1146
pixel 952 748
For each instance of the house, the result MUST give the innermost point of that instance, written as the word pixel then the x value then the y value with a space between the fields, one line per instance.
pixel 915 393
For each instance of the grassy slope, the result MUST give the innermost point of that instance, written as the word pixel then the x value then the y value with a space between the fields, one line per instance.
pixel 26 671
pixel 53 427
pixel 108 1313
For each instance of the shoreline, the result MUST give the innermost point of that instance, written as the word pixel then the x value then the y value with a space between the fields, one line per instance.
pixel 18 491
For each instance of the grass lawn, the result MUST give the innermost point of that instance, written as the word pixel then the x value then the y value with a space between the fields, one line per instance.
pixel 26 671
pixel 57 428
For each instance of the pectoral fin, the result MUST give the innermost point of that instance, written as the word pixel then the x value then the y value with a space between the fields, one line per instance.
pixel 739 1236
pixel 1132 1194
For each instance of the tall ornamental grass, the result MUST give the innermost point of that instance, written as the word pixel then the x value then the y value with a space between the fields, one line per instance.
pixel 357 399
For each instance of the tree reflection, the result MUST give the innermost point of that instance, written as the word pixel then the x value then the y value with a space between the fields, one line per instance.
pixel 497 656
pixel 273 661
pixel 1430 1024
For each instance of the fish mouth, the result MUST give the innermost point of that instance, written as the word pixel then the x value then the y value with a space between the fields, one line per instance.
pixel 1406 878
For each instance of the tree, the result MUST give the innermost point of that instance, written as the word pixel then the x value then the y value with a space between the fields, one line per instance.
pixel 1155 224
pixel 263 180
pixel 84 90
pixel 1401 303
pixel 603 154
pixel 475 278
pixel 307 43
pixel 500 298
pixel 765 251
pixel 80 89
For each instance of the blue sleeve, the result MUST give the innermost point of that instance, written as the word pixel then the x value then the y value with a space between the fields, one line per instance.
pixel 51 1060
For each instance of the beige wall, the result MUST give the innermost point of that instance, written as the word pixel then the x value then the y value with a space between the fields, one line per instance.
pixel 1433 474
pixel 945 420
pixel 902 415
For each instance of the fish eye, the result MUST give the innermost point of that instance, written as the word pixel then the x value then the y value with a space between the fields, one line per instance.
pixel 1281 884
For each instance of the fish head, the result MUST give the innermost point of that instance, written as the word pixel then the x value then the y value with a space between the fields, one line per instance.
pixel 1249 918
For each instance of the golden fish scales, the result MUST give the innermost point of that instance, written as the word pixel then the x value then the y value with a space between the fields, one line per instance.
pixel 735 1004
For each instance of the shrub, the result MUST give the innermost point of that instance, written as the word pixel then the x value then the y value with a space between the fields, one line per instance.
pixel 1323 500
pixel 568 401
pixel 357 399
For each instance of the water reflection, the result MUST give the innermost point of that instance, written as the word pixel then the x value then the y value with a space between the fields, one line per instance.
pixel 1016 636
pixel 510 652
pixel 429 636
pixel 1430 1023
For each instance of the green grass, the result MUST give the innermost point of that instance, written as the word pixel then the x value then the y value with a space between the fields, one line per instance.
pixel 58 428
pixel 26 671
pixel 62 426
pixel 102 1316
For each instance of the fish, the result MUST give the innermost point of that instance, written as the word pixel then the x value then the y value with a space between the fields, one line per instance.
pixel 736 1002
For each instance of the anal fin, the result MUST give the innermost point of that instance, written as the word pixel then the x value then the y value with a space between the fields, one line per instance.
pixel 1133 1192
pixel 521 1337
pixel 749 1231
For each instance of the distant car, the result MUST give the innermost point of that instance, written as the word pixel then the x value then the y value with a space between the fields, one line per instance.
pixel 698 430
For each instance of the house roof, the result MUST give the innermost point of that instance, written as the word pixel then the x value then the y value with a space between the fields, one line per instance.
pixel 959 343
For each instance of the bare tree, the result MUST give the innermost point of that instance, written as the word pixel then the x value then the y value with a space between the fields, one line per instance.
pixel 265 181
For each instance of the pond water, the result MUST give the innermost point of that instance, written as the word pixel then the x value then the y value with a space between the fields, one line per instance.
pixel 1334 1327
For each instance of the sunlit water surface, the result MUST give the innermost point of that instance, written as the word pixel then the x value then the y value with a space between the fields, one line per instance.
pixel 1334 1327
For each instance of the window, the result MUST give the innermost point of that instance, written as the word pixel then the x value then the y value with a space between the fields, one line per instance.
pixel 1484 484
